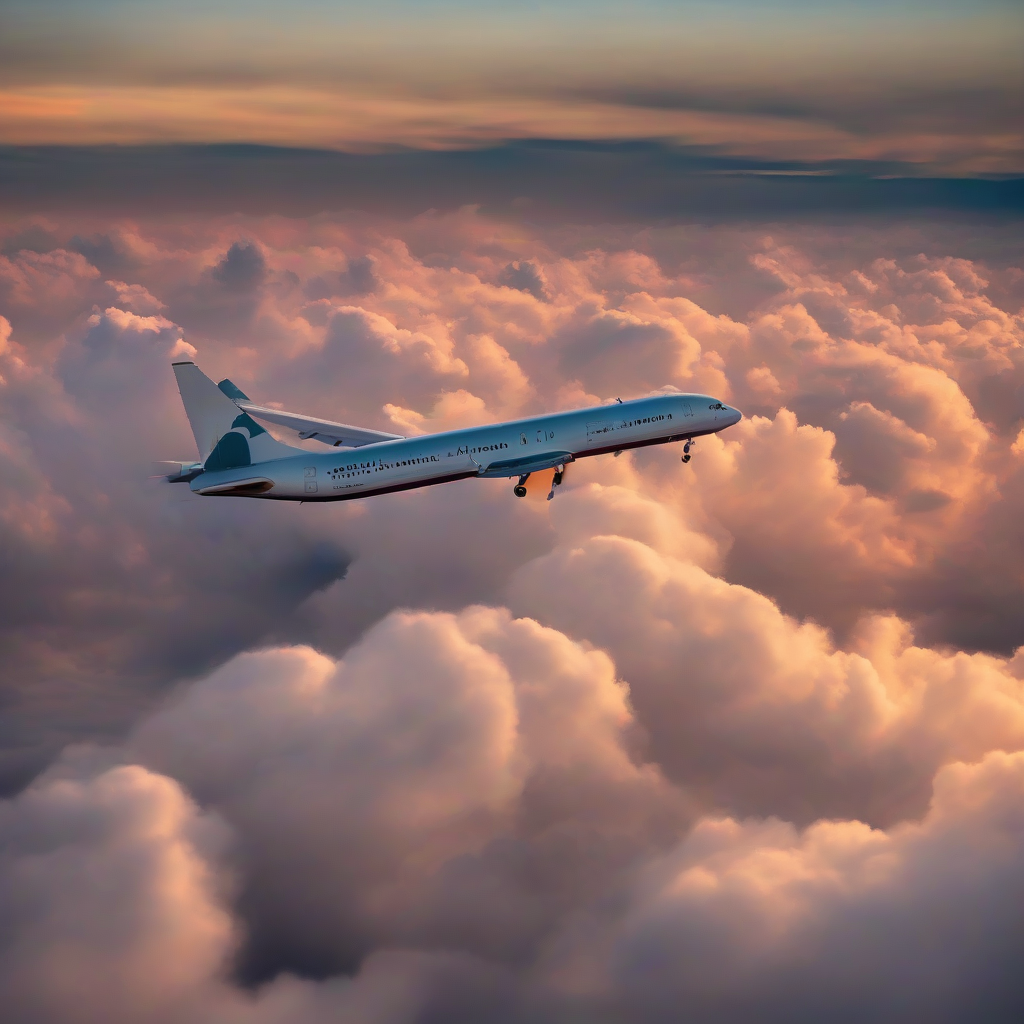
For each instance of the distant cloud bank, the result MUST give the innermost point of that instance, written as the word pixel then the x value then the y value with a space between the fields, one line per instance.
pixel 934 85
pixel 532 181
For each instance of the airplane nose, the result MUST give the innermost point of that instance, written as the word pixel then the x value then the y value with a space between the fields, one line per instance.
pixel 733 415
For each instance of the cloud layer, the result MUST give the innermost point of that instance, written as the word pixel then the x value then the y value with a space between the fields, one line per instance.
pixel 745 735
pixel 539 181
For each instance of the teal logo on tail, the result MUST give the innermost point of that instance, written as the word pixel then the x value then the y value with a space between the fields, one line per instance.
pixel 226 435
pixel 232 450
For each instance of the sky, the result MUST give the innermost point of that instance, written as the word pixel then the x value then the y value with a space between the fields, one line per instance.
pixel 743 736
pixel 936 85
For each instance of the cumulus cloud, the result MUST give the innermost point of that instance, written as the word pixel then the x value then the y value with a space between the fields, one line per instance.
pixel 242 269
pixel 136 298
pixel 524 275
pixel 754 918
pixel 504 731
pixel 111 908
pixel 726 686
pixel 480 838
pixel 728 735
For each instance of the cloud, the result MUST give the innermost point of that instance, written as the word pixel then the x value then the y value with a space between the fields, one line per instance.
pixel 508 727
pixel 136 298
pixel 96 557
pixel 524 275
pixel 725 685
pixel 755 917
pixel 42 292
pixel 935 89
pixel 731 734
pixel 606 347
pixel 112 909
pixel 487 829
pixel 242 269
pixel 566 178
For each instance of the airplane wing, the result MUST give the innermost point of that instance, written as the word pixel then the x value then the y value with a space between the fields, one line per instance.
pixel 526 464
pixel 326 431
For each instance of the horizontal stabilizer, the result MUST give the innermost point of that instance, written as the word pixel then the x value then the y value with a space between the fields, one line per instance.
pixel 178 472
pixel 320 430
pixel 526 464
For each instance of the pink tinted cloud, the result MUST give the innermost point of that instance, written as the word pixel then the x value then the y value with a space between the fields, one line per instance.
pixel 502 820
pixel 669 738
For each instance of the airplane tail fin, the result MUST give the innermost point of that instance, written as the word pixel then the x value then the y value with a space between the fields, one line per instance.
pixel 226 436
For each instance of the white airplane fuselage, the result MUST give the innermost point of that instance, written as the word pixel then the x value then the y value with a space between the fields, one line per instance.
pixel 511 449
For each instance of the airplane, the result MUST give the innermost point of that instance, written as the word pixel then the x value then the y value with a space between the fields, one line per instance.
pixel 238 457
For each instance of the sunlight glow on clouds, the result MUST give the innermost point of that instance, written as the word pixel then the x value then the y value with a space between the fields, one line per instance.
pixel 733 735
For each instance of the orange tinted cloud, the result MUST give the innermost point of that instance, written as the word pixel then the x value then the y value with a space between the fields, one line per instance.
pixel 371 120
pixel 668 739
pixel 936 85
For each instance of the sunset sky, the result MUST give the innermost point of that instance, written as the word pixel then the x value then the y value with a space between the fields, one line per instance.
pixel 741 739
pixel 934 84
